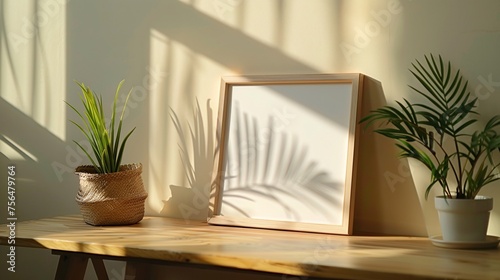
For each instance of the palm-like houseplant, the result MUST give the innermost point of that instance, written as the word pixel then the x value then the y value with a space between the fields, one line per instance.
pixel 440 133
pixel 110 193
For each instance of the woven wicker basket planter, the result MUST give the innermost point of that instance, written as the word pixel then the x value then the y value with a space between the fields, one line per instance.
pixel 113 198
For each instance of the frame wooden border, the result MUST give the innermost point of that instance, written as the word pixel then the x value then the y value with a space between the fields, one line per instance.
pixel 215 216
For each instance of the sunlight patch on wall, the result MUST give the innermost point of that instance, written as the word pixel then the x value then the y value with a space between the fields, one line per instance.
pixel 307 31
pixel 188 79
pixel 494 226
pixel 14 151
pixel 32 61
pixel 158 114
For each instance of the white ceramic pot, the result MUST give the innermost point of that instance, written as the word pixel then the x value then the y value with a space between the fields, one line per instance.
pixel 464 220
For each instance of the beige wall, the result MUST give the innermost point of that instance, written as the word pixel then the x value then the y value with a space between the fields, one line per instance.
pixel 174 53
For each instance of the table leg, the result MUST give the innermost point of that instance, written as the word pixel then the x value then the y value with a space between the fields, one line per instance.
pixel 99 268
pixel 71 267
pixel 136 271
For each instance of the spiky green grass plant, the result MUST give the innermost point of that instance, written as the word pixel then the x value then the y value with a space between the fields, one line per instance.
pixel 104 138
pixel 420 130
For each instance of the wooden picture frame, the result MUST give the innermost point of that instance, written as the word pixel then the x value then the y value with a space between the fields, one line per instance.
pixel 287 152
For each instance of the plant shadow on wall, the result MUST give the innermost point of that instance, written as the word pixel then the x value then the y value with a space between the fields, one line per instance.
pixel 273 167
pixel 197 169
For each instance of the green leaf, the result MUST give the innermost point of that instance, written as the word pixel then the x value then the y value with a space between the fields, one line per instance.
pixel 104 138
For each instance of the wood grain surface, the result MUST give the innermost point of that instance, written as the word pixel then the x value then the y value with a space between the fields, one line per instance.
pixel 282 252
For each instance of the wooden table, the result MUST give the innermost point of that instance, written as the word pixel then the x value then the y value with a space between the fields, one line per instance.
pixel 163 240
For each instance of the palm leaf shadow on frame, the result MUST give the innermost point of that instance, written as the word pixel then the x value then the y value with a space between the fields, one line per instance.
pixel 274 166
